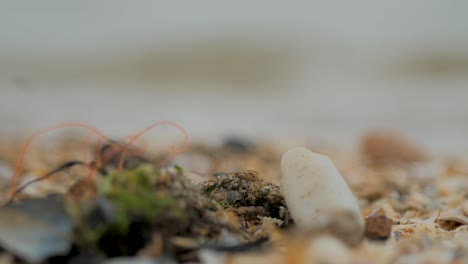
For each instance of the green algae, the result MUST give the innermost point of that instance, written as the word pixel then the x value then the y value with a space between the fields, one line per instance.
pixel 132 205
pixel 125 201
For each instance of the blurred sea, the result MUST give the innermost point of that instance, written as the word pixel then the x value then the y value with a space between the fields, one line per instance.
pixel 275 71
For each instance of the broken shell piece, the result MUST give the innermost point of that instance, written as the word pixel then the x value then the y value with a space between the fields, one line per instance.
pixel 458 215
pixel 313 187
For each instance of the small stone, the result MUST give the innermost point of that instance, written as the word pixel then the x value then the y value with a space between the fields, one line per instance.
pixel 386 148
pixel 378 225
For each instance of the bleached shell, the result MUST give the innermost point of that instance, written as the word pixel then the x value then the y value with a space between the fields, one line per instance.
pixel 459 214
pixel 313 186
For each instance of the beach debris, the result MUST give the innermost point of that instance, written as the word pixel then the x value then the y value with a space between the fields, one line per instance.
pixel 458 215
pixel 378 225
pixel 247 195
pixel 37 229
pixel 237 215
pixel 134 209
pixel 315 192
pixel 108 152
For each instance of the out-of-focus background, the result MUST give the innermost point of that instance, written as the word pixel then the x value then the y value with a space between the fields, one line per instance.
pixel 320 70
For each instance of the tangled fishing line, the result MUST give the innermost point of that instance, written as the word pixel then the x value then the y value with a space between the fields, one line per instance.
pixel 106 150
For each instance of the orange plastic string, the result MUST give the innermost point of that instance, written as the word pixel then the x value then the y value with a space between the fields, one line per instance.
pixel 173 150
pixel 100 160
pixel 27 143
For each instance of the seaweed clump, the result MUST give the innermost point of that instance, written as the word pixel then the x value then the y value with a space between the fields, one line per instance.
pixel 248 196
pixel 131 208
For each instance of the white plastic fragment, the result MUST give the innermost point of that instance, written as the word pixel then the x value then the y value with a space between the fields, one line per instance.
pixel 35 229
pixel 313 188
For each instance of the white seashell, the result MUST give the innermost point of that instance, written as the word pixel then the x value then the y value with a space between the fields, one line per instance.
pixel 313 187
